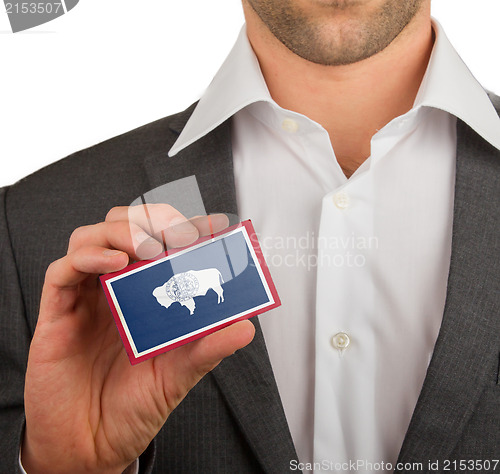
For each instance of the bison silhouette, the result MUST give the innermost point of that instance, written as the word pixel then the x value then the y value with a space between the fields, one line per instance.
pixel 183 287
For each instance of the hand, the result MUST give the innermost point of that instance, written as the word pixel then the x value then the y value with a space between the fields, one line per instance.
pixel 87 409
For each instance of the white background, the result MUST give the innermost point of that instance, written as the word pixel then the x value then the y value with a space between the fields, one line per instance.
pixel 109 66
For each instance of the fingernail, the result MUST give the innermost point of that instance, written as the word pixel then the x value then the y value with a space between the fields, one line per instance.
pixel 147 246
pixel 111 253
pixel 182 226
pixel 141 237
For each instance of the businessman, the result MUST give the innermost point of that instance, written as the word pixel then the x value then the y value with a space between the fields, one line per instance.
pixel 351 125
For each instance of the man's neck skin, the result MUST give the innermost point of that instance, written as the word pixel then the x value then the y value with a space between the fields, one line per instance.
pixel 353 101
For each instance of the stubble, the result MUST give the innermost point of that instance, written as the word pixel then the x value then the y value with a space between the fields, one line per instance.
pixel 346 33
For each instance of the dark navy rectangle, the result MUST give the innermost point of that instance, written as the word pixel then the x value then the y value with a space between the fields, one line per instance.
pixel 150 324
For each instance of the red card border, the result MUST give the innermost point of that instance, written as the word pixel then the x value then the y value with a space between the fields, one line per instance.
pixel 252 237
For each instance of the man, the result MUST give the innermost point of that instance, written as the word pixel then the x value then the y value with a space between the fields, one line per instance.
pixel 345 124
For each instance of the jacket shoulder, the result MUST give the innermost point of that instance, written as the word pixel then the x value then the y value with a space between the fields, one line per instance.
pixel 107 174
pixel 495 100
pixel 41 210
pixel 121 151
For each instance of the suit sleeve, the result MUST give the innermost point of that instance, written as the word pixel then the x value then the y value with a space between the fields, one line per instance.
pixel 15 338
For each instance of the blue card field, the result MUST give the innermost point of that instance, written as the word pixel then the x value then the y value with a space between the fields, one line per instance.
pixel 185 294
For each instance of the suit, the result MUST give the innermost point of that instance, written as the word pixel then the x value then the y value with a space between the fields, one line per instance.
pixel 233 420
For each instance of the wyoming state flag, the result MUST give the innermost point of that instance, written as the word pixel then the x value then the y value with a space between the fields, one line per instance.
pixel 24 15
pixel 185 294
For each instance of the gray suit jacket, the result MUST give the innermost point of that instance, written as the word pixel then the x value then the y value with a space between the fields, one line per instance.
pixel 233 420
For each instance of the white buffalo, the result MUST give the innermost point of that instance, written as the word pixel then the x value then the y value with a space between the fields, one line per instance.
pixel 183 287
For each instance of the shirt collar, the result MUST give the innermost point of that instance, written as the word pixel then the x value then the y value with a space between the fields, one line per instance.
pixel 447 85
pixel 450 86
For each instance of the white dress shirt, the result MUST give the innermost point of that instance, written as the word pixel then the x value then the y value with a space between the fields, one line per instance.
pixel 360 264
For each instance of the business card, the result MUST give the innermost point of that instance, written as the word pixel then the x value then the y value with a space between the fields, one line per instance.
pixel 185 294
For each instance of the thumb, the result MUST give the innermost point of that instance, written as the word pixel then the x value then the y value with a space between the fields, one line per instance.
pixel 206 353
pixel 182 368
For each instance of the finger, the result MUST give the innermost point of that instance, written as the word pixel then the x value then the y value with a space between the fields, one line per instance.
pixel 211 224
pixel 189 363
pixel 63 277
pixel 162 221
pixel 119 235
pixel 210 350
pixel 205 225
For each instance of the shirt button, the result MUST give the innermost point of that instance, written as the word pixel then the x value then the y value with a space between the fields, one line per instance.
pixel 289 125
pixel 341 200
pixel 340 341
pixel 402 123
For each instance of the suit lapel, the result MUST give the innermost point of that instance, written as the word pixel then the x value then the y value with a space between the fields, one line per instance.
pixel 246 379
pixel 247 382
pixel 209 159
pixel 467 343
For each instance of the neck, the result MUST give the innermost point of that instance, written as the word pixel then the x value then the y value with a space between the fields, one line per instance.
pixel 353 101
